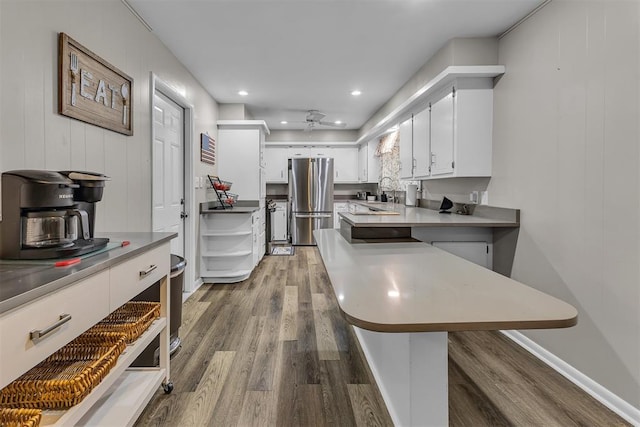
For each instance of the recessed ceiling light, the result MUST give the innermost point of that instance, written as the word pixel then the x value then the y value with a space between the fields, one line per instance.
pixel 356 93
pixel 284 122
pixel 338 122
pixel 243 93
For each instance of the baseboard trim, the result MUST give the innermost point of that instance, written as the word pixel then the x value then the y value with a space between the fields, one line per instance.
pixel 597 391
pixel 196 285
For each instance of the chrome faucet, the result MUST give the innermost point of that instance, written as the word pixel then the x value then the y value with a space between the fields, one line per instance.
pixel 381 187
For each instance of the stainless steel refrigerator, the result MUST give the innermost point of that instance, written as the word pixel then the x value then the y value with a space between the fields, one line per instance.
pixel 310 197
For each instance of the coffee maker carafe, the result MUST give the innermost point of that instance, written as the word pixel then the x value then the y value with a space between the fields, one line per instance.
pixel 41 218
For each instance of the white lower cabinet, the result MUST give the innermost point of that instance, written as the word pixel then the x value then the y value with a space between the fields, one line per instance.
pixel 339 207
pixel 231 245
pixel 124 392
pixel 279 223
pixel 480 253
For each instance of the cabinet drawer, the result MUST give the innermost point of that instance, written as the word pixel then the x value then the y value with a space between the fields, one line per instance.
pixel 127 279
pixel 87 303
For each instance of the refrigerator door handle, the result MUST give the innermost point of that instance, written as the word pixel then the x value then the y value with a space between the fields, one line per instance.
pixel 313 215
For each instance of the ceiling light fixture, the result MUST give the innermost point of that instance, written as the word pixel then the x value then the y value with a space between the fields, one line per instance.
pixel 338 122
pixel 356 93
pixel 284 122
pixel 243 93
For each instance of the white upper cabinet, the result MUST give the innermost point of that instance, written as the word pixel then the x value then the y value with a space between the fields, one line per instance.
pixel 345 161
pixel 421 159
pixel 363 164
pixel 461 130
pixel 239 156
pixel 455 112
pixel 345 164
pixel 368 163
pixel 453 136
pixel 276 164
pixel 442 138
pixel 406 149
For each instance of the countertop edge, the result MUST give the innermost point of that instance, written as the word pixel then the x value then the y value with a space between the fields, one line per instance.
pixel 75 276
pixel 461 326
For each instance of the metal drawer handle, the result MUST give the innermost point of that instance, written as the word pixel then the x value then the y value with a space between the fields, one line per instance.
pixel 146 272
pixel 40 333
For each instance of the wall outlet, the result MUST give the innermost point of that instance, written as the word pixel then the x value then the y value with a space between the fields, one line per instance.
pixel 473 197
pixel 484 197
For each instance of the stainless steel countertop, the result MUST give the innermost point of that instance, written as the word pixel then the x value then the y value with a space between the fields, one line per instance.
pixel 24 281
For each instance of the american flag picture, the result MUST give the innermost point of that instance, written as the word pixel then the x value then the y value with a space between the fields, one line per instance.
pixel 207 149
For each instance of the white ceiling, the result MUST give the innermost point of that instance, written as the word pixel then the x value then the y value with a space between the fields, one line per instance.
pixel 296 55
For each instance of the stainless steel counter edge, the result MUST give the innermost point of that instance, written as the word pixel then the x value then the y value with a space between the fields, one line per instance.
pixel 50 280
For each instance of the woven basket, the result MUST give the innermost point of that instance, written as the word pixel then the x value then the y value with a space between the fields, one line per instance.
pixel 132 319
pixel 68 375
pixel 20 417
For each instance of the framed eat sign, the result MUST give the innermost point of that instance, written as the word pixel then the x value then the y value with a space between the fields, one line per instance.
pixel 91 89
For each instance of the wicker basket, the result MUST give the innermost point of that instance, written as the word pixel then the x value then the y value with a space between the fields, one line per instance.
pixel 68 375
pixel 132 319
pixel 20 417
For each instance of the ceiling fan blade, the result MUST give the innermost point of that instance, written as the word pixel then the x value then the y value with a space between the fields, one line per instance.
pixel 315 116
pixel 335 125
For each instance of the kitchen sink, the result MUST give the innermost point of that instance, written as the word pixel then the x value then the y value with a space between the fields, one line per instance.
pixel 371 208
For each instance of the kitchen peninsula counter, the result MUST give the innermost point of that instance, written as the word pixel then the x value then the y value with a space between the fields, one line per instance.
pixel 416 287
pixel 24 281
pixel 404 216
pixel 403 298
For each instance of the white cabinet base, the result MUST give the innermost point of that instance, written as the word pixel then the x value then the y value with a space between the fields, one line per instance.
pixel 411 371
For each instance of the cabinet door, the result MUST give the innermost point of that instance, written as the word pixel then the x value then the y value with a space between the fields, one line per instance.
pixel 279 222
pixel 363 174
pixel 421 124
pixel 319 151
pixel 275 159
pixel 406 149
pixel 373 162
pixel 298 152
pixel 442 135
pixel 345 164
pixel 339 207
pixel 239 161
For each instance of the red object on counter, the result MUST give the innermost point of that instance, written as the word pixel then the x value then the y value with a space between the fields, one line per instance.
pixel 125 243
pixel 67 262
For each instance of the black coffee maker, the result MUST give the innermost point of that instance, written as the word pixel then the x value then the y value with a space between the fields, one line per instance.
pixel 42 218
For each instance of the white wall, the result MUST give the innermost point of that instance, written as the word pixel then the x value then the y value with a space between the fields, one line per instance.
pixel 566 152
pixel 33 135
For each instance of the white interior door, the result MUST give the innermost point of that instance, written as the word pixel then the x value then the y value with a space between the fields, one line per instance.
pixel 168 169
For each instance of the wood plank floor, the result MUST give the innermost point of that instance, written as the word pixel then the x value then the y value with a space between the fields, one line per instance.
pixel 274 350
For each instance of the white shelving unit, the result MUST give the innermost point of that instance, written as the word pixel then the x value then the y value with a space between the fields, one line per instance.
pixel 228 245
pixel 112 401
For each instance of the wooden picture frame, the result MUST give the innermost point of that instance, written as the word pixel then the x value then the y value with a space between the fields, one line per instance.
pixel 92 90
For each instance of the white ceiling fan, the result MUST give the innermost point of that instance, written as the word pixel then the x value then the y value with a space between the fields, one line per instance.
pixel 314 119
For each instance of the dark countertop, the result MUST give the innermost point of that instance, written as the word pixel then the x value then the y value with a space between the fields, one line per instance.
pixel 239 207
pixel 24 281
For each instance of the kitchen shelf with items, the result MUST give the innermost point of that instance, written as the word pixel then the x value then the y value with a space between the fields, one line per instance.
pixel 221 188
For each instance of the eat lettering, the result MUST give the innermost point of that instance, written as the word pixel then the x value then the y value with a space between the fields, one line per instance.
pixel 86 80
